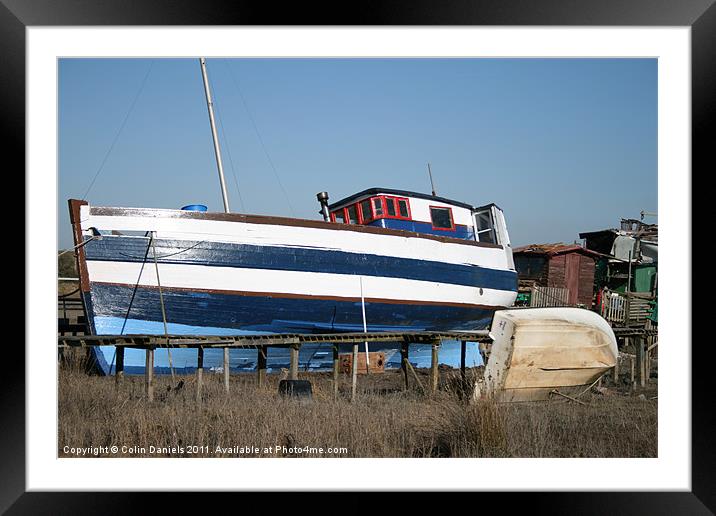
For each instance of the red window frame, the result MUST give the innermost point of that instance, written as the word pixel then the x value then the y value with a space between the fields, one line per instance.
pixel 381 199
pixel 397 207
pixel 452 220
pixel 384 199
pixel 359 209
pixel 347 216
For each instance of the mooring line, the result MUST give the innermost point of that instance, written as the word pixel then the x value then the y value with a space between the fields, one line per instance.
pixel 161 302
pixel 136 287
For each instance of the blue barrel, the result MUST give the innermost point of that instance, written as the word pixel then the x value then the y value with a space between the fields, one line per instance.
pixel 194 207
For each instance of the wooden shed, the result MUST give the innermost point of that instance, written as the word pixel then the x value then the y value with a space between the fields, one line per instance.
pixel 568 266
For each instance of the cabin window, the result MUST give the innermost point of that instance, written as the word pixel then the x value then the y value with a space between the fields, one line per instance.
pixel 390 206
pixel 403 208
pixel 377 207
pixel 352 214
pixel 485 228
pixel 442 218
pixel 339 216
pixel 365 211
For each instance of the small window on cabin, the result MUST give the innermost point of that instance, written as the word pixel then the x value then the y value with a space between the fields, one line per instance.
pixel 403 208
pixel 366 213
pixel 352 214
pixel 378 207
pixel 340 216
pixel 485 227
pixel 390 206
pixel 441 218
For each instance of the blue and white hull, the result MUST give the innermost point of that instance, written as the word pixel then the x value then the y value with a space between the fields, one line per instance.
pixel 229 274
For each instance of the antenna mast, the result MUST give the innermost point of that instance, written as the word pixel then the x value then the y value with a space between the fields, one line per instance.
pixel 432 185
pixel 217 150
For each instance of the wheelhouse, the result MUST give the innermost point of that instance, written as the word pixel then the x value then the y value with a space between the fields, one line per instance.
pixel 421 213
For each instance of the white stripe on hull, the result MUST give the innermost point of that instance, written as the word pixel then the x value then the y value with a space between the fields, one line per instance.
pixel 296 236
pixel 292 282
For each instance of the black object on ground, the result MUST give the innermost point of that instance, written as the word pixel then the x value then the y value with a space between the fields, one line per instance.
pixel 297 388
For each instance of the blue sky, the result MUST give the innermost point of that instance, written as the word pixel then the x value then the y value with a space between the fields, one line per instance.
pixel 562 145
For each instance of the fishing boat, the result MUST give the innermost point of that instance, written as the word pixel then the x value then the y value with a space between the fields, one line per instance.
pixel 408 261
pixel 382 259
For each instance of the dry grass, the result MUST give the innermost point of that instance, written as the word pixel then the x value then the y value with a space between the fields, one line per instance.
pixel 383 422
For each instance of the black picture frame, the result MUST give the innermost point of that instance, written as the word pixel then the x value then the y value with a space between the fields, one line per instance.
pixel 700 15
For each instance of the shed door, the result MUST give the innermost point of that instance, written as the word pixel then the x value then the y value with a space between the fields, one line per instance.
pixel 571 277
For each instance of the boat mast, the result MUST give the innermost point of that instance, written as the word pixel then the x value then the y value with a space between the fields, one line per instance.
pixel 217 150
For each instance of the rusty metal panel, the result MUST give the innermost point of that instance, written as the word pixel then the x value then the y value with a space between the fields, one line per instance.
pixel 377 363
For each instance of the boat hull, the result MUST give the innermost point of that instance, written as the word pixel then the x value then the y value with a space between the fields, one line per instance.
pixel 539 351
pixel 154 271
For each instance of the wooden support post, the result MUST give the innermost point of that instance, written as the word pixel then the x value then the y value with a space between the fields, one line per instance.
pixel 463 374
pixel 404 364
pixel 199 372
pixel 261 364
pixel 615 371
pixel 415 375
pixel 354 372
pixel 632 383
pixel 639 343
pixel 434 368
pixel 336 366
pixel 226 370
pixel 149 374
pixel 293 368
pixel 119 367
pixel 483 352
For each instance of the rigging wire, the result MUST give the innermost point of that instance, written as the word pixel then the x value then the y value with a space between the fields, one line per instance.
pixel 231 160
pixel 258 134
pixel 136 287
pixel 121 127
pixel 228 151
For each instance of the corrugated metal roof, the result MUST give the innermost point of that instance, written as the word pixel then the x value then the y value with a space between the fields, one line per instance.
pixel 553 249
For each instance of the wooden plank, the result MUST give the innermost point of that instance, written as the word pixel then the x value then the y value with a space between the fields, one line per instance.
pixel 415 375
pixel 463 374
pixel 638 344
pixel 632 383
pixel 227 367
pixel 189 341
pixel 615 371
pixel 354 373
pixel 293 368
pixel 149 374
pixel 434 368
pixel 261 365
pixel 119 368
pixel 404 364
pixel 199 373
pixel 336 366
